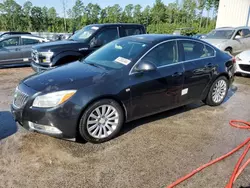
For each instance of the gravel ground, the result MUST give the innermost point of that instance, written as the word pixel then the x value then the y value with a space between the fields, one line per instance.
pixel 151 152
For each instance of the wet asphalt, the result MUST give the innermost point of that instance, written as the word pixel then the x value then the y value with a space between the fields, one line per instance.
pixel 149 153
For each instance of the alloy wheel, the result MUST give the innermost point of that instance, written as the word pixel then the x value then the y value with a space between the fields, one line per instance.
pixel 102 121
pixel 219 91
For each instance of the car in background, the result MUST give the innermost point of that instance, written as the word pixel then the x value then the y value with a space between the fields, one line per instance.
pixel 81 44
pixel 6 34
pixel 230 39
pixel 243 63
pixel 199 36
pixel 186 31
pixel 16 49
pixel 127 79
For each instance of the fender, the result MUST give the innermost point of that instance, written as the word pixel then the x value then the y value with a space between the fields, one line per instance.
pixel 64 54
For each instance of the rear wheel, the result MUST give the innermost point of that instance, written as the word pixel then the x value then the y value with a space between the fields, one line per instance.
pixel 101 121
pixel 217 92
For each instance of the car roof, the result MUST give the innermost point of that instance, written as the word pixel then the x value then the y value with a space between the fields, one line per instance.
pixel 155 38
pixel 24 35
pixel 232 28
pixel 115 24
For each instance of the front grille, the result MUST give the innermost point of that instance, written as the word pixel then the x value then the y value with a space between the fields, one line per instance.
pixel 20 99
pixel 245 67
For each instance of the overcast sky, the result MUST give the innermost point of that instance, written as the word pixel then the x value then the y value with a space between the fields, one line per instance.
pixel 103 3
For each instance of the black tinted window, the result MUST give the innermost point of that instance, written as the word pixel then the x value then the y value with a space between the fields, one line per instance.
pixel 132 31
pixel 106 36
pixel 27 41
pixel 10 42
pixel 164 54
pixel 246 32
pixel 195 50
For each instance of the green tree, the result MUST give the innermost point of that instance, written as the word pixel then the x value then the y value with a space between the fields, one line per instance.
pixel 27 6
pixel 37 18
pixel 127 14
pixel 52 17
pixel 137 14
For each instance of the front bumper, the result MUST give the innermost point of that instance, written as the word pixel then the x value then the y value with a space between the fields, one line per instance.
pixel 61 121
pixel 242 67
pixel 38 68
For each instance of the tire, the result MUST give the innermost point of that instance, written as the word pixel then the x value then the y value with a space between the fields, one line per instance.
pixel 229 50
pixel 92 125
pixel 216 101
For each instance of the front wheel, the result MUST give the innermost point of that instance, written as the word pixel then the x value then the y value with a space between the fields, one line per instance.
pixel 101 121
pixel 217 92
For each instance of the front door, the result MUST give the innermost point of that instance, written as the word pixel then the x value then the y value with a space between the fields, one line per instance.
pixel 27 44
pixel 158 90
pixel 199 65
pixel 10 51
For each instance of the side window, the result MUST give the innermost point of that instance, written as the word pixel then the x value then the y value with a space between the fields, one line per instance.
pixel 246 33
pixel 132 31
pixel 27 41
pixel 106 36
pixel 209 51
pixel 164 54
pixel 10 42
pixel 195 50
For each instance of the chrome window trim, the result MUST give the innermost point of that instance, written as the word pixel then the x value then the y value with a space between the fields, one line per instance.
pixel 181 62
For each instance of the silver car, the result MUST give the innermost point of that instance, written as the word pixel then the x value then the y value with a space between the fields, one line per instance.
pixel 16 49
pixel 232 40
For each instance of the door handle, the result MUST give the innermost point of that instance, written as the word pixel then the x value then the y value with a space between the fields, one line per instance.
pixel 209 65
pixel 177 74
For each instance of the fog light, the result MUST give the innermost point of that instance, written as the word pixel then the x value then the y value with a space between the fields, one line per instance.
pixel 44 128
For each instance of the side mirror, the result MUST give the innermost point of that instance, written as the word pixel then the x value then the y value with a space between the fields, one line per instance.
pixel 238 37
pixel 145 66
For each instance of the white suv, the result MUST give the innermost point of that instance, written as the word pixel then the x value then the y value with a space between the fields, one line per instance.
pixel 232 40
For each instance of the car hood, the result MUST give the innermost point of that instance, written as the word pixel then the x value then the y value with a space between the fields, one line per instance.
pixel 57 45
pixel 245 56
pixel 71 76
pixel 215 41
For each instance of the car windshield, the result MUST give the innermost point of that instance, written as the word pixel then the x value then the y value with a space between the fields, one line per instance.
pixel 117 54
pixel 84 33
pixel 220 34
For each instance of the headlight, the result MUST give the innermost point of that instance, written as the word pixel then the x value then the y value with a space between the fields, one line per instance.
pixel 46 56
pixel 53 99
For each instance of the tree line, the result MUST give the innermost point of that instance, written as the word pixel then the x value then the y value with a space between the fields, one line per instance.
pixel 160 18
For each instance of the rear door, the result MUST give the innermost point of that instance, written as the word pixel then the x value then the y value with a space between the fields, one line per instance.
pixel 246 38
pixel 27 44
pixel 128 30
pixel 158 90
pixel 199 64
pixel 10 51
pixel 103 36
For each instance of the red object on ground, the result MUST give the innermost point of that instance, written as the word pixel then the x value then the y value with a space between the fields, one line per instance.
pixel 238 168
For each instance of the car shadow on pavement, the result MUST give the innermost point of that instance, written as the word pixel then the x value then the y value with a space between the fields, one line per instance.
pixel 134 124
pixel 8 125
pixel 233 89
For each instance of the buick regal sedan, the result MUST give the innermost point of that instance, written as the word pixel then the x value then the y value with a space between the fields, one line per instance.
pixel 127 79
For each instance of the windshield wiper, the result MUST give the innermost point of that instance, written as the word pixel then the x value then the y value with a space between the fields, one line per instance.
pixel 95 65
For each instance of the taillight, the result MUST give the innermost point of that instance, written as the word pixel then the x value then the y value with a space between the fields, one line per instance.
pixel 234 60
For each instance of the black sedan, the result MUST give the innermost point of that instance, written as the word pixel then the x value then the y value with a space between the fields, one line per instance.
pixel 127 79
